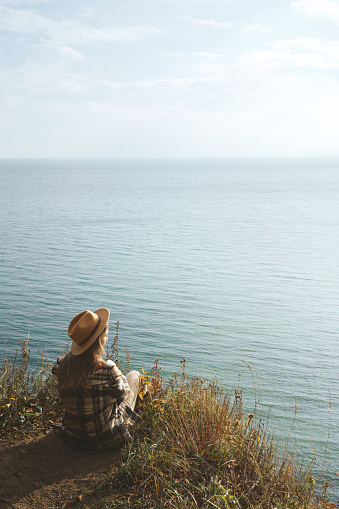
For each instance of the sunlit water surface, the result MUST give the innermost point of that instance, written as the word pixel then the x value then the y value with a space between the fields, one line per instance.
pixel 219 262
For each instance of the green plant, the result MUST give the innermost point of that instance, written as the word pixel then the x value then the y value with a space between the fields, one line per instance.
pixel 196 449
pixel 24 392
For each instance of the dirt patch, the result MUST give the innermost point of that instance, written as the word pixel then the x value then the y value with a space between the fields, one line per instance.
pixel 42 472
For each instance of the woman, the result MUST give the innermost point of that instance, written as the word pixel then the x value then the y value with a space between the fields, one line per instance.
pixel 98 399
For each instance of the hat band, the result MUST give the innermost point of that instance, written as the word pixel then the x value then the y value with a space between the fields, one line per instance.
pixel 91 334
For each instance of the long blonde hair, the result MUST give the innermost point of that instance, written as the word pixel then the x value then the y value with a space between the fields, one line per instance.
pixel 74 369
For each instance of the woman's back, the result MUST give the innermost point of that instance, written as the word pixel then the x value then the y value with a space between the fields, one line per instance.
pixel 95 394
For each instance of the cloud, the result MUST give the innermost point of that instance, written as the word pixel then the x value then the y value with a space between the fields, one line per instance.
pixel 69 32
pixel 316 8
pixel 202 54
pixel 24 22
pixel 189 1
pixel 250 29
pixel 88 12
pixel 301 52
pixel 177 82
pixel 206 22
pixel 70 53
pixel 310 44
pixel 72 86
pixel 207 54
pixel 34 82
pixel 22 2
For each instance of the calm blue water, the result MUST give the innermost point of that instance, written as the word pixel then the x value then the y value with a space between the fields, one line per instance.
pixel 214 261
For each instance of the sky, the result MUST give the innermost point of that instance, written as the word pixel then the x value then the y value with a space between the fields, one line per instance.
pixel 169 78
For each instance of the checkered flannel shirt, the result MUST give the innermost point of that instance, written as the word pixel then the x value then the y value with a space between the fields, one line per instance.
pixel 95 414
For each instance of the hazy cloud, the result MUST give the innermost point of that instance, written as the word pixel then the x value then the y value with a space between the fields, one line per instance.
pixel 207 54
pixel 250 29
pixel 177 82
pixel 206 22
pixel 315 8
pixel 70 53
pixel 193 1
pixel 218 74
pixel 71 86
pixel 202 54
pixel 23 2
pixel 300 52
pixel 68 32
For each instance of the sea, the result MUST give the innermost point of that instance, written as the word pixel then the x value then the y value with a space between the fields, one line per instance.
pixel 232 264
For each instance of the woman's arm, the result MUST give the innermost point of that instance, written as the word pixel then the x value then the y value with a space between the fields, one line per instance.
pixel 118 384
pixel 55 368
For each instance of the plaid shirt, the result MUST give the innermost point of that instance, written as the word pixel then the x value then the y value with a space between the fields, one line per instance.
pixel 95 413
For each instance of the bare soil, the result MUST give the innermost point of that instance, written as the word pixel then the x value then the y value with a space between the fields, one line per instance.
pixel 40 471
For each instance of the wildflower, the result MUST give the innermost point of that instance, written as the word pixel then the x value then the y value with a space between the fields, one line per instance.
pixel 312 480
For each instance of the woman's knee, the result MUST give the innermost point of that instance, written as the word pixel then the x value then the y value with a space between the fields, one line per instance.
pixel 134 373
pixel 133 378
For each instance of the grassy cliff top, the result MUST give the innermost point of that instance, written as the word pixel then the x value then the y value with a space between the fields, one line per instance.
pixel 194 448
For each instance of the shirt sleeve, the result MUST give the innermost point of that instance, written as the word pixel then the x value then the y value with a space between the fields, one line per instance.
pixel 55 368
pixel 118 382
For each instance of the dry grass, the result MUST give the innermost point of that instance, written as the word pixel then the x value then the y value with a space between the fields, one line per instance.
pixel 24 392
pixel 195 449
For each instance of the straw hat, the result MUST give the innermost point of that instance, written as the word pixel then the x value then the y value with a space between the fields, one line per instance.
pixel 85 328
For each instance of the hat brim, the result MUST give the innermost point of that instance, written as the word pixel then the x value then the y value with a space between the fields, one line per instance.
pixel 103 313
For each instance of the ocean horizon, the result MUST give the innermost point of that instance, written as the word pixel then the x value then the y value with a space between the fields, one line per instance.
pixel 227 263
